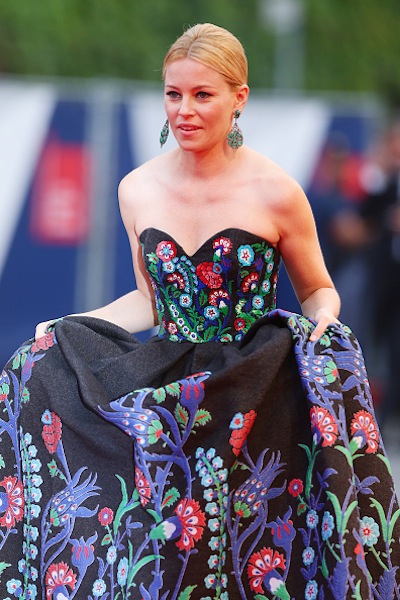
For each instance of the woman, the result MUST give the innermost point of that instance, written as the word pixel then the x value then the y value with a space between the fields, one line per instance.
pixel 258 471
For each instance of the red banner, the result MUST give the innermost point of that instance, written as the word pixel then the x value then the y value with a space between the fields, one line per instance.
pixel 60 209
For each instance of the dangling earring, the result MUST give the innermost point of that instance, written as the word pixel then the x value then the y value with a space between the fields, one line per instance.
pixel 235 136
pixel 164 133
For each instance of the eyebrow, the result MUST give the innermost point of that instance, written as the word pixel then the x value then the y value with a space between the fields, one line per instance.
pixel 197 87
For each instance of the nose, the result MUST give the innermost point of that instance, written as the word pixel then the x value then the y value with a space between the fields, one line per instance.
pixel 186 106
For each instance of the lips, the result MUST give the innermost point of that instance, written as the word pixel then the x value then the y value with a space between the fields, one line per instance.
pixel 188 127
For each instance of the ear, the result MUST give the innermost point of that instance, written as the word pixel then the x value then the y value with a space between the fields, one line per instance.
pixel 241 97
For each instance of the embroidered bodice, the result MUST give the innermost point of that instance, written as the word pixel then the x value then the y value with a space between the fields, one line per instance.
pixel 217 293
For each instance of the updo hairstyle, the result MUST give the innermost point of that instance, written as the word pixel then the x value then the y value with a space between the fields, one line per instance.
pixel 214 47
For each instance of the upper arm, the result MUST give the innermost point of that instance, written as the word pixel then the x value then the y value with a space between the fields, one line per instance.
pixel 299 244
pixel 129 208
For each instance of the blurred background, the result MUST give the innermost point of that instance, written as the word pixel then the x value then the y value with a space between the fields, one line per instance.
pixel 81 104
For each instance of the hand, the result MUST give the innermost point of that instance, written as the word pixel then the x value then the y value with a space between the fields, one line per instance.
pixel 41 328
pixel 323 318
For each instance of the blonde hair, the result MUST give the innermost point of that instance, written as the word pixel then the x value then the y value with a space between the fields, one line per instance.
pixel 214 47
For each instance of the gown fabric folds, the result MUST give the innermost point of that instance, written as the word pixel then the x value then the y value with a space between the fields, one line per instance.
pixel 228 457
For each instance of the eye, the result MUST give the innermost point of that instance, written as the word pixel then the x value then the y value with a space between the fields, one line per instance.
pixel 172 94
pixel 203 95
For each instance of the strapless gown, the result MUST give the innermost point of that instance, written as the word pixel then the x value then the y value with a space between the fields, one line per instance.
pixel 227 457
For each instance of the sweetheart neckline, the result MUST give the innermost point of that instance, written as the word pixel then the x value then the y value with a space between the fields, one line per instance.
pixel 208 240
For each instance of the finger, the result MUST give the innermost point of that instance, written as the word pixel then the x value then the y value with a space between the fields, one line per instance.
pixel 318 331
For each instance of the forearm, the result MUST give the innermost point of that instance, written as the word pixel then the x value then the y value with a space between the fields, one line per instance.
pixel 323 299
pixel 133 312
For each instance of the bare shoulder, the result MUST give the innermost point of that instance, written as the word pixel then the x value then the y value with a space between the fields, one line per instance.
pixel 280 190
pixel 131 186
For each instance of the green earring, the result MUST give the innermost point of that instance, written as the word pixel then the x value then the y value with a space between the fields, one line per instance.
pixel 235 136
pixel 164 133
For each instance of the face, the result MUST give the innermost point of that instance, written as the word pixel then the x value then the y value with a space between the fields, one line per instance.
pixel 200 104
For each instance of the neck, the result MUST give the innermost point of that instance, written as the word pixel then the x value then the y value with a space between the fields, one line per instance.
pixel 205 165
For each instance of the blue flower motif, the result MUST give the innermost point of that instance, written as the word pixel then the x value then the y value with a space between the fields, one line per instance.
pixel 185 300
pixel 214 543
pixel 209 494
pixel 212 508
pixel 111 555
pixel 213 524
pixel 311 590
pixel 213 561
pixel 31 592
pixel 245 255
pixel 211 312
pixel 122 571
pixel 237 421
pixel 327 525
pixel 14 587
pixel 258 302
pixel 308 555
pixel 369 531
pixel 99 587
pixel 312 519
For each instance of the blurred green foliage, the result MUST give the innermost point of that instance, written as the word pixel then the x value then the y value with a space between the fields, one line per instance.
pixel 348 45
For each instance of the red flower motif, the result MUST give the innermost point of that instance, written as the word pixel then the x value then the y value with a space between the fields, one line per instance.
pixel 249 282
pixel 172 327
pixel 44 342
pixel 363 423
pixel 11 501
pixel 239 434
pixel 224 243
pixel 325 424
pixel 58 575
pixel 178 279
pixel 239 324
pixel 295 487
pixel 215 298
pixel 106 516
pixel 261 563
pixel 142 486
pixel 192 520
pixel 166 251
pixel 51 433
pixel 205 272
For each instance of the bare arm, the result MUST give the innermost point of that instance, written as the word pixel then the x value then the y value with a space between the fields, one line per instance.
pixel 134 311
pixel 304 262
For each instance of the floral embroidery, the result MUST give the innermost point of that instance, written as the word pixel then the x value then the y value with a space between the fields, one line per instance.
pixel 166 251
pixel 52 430
pixel 295 487
pixel 369 531
pixel 106 516
pixel 241 425
pixel 59 575
pixel 195 300
pixel 363 425
pixel 324 425
pixel 11 502
pixel 260 564
pixel 142 486
pixel 192 522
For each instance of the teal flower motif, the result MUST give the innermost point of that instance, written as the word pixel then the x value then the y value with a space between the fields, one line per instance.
pixel 311 590
pixel 258 302
pixel 327 525
pixel 211 312
pixel 99 587
pixel 245 255
pixel 213 524
pixel 369 531
pixel 122 571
